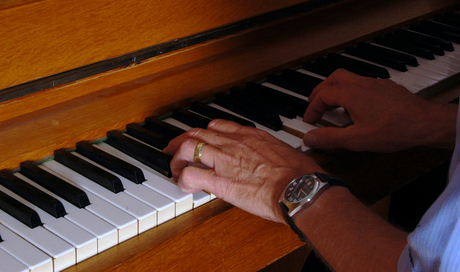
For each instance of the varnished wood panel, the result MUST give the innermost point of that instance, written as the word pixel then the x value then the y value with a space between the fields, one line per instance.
pixel 32 127
pixel 51 36
pixel 216 236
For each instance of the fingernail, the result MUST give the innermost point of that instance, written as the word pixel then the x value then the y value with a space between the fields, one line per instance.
pixel 310 140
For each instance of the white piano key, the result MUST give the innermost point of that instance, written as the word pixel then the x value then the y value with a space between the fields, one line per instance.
pixel 146 216
pixel 311 74
pixel 165 207
pixel 185 127
pixel 282 135
pixel 200 199
pixel 34 259
pixel 178 124
pixel 84 242
pixel 62 252
pixel 427 70
pixel 10 264
pixel 297 125
pixel 448 62
pixel 456 47
pixel 105 233
pixel 452 58
pixel 124 222
pixel 437 65
pixel 337 117
pixel 412 79
pixel 155 180
pixel 408 83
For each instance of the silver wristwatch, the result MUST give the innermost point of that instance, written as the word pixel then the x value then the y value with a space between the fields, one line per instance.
pixel 302 192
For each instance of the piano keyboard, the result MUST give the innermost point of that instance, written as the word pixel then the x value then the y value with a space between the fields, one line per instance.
pixel 84 201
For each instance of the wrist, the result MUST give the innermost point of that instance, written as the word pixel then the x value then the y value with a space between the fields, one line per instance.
pixel 302 193
pixel 307 219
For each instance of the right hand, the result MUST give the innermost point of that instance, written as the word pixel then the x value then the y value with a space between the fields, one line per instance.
pixel 386 116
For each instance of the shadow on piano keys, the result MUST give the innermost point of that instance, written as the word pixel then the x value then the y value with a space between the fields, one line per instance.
pixel 100 194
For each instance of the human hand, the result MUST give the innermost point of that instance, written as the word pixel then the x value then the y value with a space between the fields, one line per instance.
pixel 246 167
pixel 386 116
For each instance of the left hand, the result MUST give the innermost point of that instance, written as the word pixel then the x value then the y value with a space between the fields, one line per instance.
pixel 245 166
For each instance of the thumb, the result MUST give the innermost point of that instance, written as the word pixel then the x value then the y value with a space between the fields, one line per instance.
pixel 326 138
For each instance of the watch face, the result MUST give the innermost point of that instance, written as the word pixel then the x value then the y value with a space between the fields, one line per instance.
pixel 299 189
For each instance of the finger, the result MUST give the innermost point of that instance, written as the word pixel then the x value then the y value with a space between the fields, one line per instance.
pixel 236 131
pixel 324 101
pixel 201 135
pixel 334 138
pixel 339 76
pixel 185 156
pixel 195 179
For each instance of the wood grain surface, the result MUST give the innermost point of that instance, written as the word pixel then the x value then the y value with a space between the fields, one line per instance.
pixel 40 38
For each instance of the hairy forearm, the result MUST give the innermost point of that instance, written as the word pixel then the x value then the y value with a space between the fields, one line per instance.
pixel 348 235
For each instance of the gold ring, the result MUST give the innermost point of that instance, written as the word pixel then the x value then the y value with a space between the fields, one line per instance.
pixel 198 150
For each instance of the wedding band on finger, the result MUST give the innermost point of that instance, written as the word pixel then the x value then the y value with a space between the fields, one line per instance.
pixel 198 151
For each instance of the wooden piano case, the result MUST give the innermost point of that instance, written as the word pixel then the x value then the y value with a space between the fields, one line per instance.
pixel 44 107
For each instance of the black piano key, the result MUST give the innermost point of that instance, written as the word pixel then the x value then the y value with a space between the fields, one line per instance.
pixel 265 117
pixel 147 136
pixel 389 53
pixel 452 15
pixel 167 130
pixel 335 64
pixel 264 102
pixel 432 30
pixel 448 20
pixel 401 34
pixel 319 68
pixel 294 81
pixel 147 155
pixel 190 118
pixel 113 163
pixel 441 27
pixel 54 184
pixel 386 61
pixel 19 211
pixel 257 90
pixel 444 44
pixel 353 64
pixel 214 113
pixel 32 194
pixel 91 171
pixel 390 40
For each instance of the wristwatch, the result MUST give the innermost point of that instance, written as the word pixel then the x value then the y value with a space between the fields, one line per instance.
pixel 302 193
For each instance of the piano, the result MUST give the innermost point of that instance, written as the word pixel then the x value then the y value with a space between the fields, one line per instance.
pixel 80 76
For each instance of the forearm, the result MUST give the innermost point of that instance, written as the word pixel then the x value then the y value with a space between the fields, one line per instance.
pixel 348 235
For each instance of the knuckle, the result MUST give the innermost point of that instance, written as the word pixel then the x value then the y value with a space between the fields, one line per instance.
pixel 195 132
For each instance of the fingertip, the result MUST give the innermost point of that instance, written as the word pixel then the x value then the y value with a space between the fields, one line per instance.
pixel 194 179
pixel 310 139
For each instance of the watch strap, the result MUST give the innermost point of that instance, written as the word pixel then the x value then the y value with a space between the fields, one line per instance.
pixel 290 220
pixel 333 180
pixel 327 178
